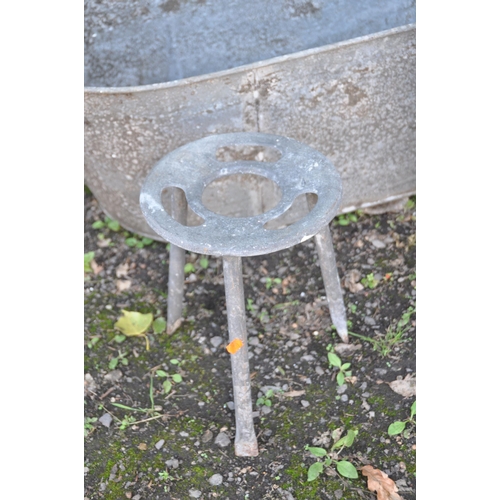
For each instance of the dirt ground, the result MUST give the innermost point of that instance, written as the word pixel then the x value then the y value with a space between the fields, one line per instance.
pixel 171 435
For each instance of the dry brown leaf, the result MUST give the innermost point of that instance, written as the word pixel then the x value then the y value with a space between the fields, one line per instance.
pixel 142 446
pixel 122 270
pixel 122 285
pixel 406 387
pixel 351 281
pixel 381 483
pixel 346 349
pixel 177 323
pixel 95 267
pixel 293 394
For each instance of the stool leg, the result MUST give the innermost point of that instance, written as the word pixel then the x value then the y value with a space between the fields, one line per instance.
pixel 328 264
pixel 245 443
pixel 177 260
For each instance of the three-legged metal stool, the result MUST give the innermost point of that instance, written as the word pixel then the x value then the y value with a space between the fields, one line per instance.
pixel 301 170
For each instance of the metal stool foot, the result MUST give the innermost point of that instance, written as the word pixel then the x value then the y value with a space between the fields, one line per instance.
pixel 176 265
pixel 328 264
pixel 175 287
pixel 245 443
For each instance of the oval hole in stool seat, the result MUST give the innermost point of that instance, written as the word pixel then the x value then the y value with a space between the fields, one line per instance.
pixel 300 207
pixel 171 195
pixel 246 152
pixel 241 195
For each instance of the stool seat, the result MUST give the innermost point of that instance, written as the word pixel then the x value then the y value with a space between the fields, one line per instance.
pixel 192 167
pixel 187 172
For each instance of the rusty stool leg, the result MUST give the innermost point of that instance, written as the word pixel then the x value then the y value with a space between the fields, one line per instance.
pixel 328 264
pixel 245 443
pixel 177 260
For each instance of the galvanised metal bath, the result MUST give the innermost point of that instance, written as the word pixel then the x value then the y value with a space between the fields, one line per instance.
pixel 336 75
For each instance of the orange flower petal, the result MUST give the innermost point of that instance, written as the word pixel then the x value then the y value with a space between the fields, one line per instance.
pixel 234 346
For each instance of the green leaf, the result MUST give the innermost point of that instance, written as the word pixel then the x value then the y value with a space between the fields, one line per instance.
pixel 346 469
pixel 314 471
pixel 118 405
pixel 174 361
pixel 133 323
pixel 131 242
pixel 189 268
pixel 340 378
pixel 176 378
pixel 146 241
pixel 268 402
pixel 114 225
pixel 413 409
pixel 396 428
pixel 334 360
pixel 349 439
pixel 87 259
pixel 204 262
pixel 270 393
pixel 167 386
pixel 139 244
pixel 119 338
pixel 317 452
pixel 161 373
pixel 113 363
pixel 159 325
pixel 345 366
pixel 98 224
pixel 124 361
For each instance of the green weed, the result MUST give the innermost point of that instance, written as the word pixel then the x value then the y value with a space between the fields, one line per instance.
pixel 266 399
pixel 344 467
pixel 335 362
pixel 399 426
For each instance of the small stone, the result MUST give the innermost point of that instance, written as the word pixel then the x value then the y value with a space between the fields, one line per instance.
pixel 304 403
pixel 378 244
pixel 159 444
pixel 369 321
pixel 89 384
pixel 338 494
pixel 344 398
pixel 195 493
pixel 265 410
pixel 106 420
pixel 285 494
pixel 307 357
pixel 222 440
pixel 216 341
pixel 172 464
pixel 230 405
pixel 183 434
pixel 207 436
pixel 341 389
pixel 319 370
pixel 113 376
pixel 215 480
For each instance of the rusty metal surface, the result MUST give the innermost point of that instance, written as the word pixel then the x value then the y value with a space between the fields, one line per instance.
pixel 354 100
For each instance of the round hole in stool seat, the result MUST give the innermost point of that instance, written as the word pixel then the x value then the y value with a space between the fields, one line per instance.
pixel 194 166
